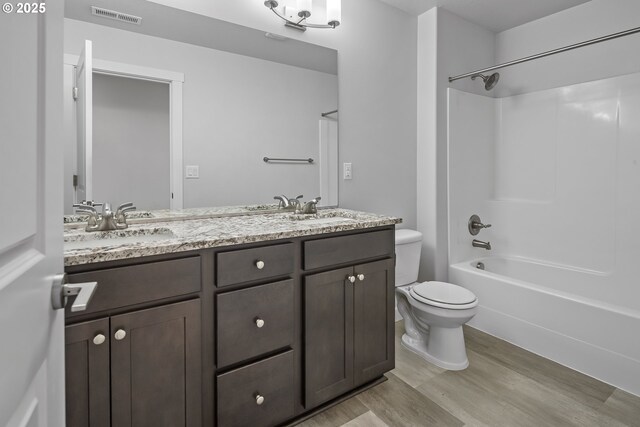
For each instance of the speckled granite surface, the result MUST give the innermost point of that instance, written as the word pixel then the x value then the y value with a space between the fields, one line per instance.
pixel 162 215
pixel 192 234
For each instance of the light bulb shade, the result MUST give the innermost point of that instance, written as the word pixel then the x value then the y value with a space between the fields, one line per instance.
pixel 334 12
pixel 304 8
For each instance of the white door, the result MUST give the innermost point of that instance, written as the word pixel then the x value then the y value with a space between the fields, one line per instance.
pixel 31 163
pixel 84 115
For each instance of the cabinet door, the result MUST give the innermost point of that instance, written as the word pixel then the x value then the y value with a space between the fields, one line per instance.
pixel 374 320
pixel 87 374
pixel 156 367
pixel 328 327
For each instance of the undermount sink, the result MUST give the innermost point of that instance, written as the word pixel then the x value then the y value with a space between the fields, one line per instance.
pixel 324 220
pixel 91 240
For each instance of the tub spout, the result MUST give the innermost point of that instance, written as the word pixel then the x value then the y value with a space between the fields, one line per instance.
pixel 480 244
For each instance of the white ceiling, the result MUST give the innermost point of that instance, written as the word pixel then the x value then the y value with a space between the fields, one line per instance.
pixel 495 15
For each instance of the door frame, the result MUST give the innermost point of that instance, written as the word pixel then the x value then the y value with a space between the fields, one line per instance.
pixel 175 81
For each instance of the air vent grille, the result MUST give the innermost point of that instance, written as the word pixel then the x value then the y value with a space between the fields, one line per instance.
pixel 117 16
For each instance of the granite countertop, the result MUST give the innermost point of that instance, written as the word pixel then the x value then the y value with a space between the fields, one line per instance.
pixel 138 217
pixel 194 233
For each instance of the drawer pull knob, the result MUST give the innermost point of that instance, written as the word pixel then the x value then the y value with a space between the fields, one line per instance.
pixel 361 277
pixel 99 339
pixel 259 399
pixel 352 279
pixel 260 265
pixel 259 322
pixel 120 334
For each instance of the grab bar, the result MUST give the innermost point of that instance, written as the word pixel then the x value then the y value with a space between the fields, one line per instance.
pixel 273 159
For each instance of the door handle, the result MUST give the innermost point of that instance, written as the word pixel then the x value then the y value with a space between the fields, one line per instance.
pixel 61 290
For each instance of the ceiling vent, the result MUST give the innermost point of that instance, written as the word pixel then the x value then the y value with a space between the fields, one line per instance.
pixel 116 16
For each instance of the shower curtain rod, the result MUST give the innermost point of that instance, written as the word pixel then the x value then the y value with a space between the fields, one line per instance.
pixel 548 53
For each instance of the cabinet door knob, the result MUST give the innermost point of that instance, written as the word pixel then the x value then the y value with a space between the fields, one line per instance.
pixel 259 322
pixel 352 279
pixel 99 339
pixel 259 399
pixel 361 277
pixel 120 334
pixel 260 265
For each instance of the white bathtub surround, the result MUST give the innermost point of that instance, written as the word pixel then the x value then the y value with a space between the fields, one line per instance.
pixel 556 172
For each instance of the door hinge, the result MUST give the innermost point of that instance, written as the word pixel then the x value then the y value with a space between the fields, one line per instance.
pixel 75 93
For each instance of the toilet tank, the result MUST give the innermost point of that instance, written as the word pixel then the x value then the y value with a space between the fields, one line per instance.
pixel 408 247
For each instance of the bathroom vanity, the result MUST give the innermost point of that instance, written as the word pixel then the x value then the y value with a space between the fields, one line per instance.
pixel 254 320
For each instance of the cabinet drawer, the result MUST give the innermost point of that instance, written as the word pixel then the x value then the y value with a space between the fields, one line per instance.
pixel 239 389
pixel 238 315
pixel 243 265
pixel 345 249
pixel 123 286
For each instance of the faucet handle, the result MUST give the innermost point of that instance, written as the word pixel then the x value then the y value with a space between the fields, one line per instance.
pixel 311 206
pixel 283 201
pixel 125 205
pixel 91 203
pixel 475 225
pixel 85 208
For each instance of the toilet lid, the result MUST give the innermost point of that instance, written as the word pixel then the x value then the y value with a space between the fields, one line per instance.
pixel 443 293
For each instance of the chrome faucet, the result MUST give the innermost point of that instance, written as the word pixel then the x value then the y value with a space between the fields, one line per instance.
pixel 311 207
pixel 107 220
pixel 287 203
pixel 480 244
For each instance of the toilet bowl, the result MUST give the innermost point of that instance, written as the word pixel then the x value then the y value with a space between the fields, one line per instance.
pixel 433 312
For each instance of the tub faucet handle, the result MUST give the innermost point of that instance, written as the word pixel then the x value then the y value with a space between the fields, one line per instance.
pixel 475 225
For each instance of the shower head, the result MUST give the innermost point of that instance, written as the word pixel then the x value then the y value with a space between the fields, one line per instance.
pixel 489 81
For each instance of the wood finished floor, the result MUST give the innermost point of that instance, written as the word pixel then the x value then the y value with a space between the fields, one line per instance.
pixel 503 386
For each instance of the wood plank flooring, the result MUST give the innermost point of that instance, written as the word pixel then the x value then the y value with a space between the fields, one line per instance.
pixel 503 386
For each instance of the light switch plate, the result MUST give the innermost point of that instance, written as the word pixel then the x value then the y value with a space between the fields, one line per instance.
pixel 348 173
pixel 192 172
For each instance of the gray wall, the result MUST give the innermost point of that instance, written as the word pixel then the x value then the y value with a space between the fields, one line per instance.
pixel 237 110
pixel 447 45
pixel 596 18
pixel 131 141
pixel 376 46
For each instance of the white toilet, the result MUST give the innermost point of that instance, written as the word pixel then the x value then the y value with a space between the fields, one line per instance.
pixel 433 312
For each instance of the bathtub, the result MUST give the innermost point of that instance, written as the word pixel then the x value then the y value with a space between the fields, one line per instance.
pixel 564 314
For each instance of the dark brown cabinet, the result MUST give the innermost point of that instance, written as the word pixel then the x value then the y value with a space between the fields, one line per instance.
pixel 348 327
pixel 254 321
pixel 258 334
pixel 87 374
pixel 260 394
pixel 155 367
pixel 374 317
pixel 145 371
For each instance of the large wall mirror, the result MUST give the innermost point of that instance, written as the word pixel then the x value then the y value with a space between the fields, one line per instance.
pixel 180 110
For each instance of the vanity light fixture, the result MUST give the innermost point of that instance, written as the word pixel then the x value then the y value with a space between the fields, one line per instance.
pixel 334 14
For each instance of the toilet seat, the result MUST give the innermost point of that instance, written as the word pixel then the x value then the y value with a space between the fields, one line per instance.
pixel 444 295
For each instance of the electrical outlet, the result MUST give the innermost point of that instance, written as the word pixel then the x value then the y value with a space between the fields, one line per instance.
pixel 291 13
pixel 192 172
pixel 348 174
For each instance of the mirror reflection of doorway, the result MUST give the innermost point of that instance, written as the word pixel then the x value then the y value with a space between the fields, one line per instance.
pixel 131 141
pixel 123 133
